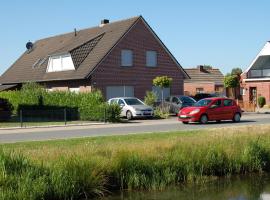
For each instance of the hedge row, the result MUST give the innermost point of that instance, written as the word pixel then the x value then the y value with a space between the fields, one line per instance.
pixel 91 106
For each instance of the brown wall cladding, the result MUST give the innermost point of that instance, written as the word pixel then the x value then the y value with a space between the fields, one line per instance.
pixel 139 40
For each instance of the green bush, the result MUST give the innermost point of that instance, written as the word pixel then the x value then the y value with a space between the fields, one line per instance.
pixel 91 106
pixel 113 112
pixel 261 101
pixel 150 98
pixel 162 112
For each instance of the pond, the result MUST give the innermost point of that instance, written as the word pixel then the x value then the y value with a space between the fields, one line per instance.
pixel 252 187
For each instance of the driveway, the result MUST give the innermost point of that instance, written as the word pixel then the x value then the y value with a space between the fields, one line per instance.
pixel 133 127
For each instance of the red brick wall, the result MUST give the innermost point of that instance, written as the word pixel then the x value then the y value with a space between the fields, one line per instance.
pixel 263 89
pixel 191 87
pixel 139 39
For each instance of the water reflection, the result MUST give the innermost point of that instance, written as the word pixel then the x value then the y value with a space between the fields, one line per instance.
pixel 253 187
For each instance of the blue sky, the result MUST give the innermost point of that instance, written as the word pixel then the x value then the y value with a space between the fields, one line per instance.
pixel 224 34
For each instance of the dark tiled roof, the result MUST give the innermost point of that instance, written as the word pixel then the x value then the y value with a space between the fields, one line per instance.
pixel 87 48
pixel 80 53
pixel 206 75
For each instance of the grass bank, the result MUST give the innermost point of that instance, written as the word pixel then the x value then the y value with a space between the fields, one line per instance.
pixel 89 167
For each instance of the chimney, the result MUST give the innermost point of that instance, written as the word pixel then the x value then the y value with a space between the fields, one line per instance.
pixel 75 32
pixel 200 67
pixel 104 22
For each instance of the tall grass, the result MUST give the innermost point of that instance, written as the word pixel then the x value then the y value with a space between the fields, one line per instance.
pixel 85 168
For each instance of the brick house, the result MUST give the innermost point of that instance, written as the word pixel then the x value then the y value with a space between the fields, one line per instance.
pixel 255 80
pixel 204 79
pixel 120 59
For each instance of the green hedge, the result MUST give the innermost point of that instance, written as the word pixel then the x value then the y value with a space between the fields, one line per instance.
pixel 261 101
pixel 91 106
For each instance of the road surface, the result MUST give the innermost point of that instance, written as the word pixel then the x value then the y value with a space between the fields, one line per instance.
pixel 133 127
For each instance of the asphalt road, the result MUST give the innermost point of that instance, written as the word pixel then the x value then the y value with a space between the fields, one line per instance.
pixel 133 127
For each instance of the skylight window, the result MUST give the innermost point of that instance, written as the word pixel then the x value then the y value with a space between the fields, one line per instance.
pixel 60 63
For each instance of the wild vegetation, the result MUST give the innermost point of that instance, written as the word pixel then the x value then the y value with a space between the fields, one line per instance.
pixel 84 168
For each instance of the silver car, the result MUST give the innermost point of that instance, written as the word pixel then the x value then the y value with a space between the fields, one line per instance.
pixel 132 107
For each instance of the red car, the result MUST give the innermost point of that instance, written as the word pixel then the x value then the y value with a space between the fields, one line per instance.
pixel 211 109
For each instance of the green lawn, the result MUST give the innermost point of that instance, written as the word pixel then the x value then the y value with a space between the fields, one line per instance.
pixel 76 168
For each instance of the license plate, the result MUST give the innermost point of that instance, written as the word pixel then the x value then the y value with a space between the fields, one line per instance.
pixel 183 116
pixel 146 113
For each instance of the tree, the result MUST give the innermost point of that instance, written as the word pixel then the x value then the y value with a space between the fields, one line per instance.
pixel 231 81
pixel 162 82
pixel 236 71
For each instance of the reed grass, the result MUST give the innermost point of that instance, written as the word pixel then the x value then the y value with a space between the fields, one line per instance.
pixel 90 167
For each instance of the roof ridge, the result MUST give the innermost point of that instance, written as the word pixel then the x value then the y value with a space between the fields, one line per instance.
pixel 85 29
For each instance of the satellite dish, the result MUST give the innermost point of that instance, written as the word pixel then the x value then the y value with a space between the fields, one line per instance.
pixel 29 45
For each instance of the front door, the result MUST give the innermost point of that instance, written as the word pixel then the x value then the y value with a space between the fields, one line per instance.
pixel 253 95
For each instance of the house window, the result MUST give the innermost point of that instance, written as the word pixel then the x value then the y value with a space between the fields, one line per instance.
pixel 266 72
pixel 126 58
pixel 60 63
pixel 199 90
pixel 151 58
pixel 256 73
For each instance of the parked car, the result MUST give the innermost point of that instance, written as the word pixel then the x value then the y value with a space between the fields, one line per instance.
pixel 200 96
pixel 176 103
pixel 132 107
pixel 5 110
pixel 211 109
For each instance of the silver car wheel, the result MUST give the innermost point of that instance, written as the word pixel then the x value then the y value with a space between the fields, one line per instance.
pixel 129 115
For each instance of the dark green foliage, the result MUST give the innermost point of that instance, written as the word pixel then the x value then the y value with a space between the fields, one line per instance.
pixel 236 71
pixel 231 81
pixel 5 110
pixel 90 106
pixel 113 112
pixel 261 101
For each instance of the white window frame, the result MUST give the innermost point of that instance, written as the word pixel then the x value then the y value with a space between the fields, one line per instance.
pixel 60 60
pixel 242 91
pixel 126 58
pixel 151 58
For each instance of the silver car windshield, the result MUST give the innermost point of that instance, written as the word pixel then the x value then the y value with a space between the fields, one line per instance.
pixel 132 102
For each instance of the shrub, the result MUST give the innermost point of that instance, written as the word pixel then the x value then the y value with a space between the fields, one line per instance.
pixel 162 112
pixel 90 105
pixel 261 101
pixel 113 112
pixel 150 98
